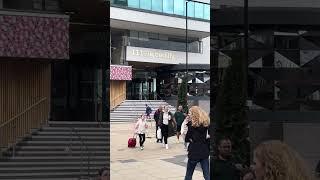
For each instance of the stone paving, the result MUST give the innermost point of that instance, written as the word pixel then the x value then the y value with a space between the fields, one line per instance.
pixel 153 163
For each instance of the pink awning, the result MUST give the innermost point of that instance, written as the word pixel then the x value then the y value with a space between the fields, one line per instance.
pixel 118 72
pixel 34 36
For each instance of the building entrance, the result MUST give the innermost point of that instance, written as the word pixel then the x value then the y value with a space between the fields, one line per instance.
pixel 143 86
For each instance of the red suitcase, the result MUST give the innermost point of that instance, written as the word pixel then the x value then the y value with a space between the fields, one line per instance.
pixel 132 142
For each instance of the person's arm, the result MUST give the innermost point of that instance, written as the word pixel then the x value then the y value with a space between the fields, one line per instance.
pixel 189 134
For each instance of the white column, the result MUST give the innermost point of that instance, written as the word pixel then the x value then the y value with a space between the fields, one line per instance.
pixel 154 85
pixel 140 91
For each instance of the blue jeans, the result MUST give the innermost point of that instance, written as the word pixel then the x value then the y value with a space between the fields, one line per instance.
pixel 192 165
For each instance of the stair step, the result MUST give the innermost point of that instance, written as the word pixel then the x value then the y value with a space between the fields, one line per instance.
pixel 82 167
pixel 106 133
pixel 62 143
pixel 78 159
pixel 53 148
pixel 75 129
pixel 43 175
pixel 48 164
pixel 62 152
pixel 59 138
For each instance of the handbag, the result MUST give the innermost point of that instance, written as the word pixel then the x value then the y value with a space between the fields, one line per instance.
pixel 159 134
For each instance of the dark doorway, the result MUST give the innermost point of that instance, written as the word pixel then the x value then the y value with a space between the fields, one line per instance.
pixel 76 89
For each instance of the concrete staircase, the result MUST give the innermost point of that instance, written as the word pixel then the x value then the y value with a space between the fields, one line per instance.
pixel 129 110
pixel 60 150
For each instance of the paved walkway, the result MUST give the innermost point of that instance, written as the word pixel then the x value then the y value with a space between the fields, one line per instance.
pixel 153 163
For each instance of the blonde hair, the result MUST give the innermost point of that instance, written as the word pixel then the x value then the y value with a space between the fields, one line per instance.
pixel 199 117
pixel 280 162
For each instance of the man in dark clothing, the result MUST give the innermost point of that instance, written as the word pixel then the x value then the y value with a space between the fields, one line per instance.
pixel 148 111
pixel 223 166
pixel 179 116
pixel 157 118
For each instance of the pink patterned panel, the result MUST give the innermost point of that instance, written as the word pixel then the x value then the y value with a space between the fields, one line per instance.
pixel 34 37
pixel 120 72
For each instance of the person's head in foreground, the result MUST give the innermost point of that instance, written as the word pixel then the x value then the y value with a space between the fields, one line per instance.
pixel 103 174
pixel 224 148
pixel 274 160
pixel 180 108
pixel 198 117
pixel 160 108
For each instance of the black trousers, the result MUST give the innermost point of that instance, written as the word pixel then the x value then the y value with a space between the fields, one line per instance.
pixel 165 133
pixel 142 138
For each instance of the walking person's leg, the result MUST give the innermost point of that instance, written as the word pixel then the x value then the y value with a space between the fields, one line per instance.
pixel 205 168
pixel 166 135
pixel 143 139
pixel 190 169
pixel 140 140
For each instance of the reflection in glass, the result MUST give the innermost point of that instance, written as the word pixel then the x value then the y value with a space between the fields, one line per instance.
pixel 145 4
pixel 198 10
pixel 168 6
pixel 190 9
pixel 157 5
pixel 179 6
pixel 206 12
pixel 133 3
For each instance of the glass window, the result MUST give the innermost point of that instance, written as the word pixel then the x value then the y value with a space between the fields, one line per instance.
pixel 190 9
pixel 198 10
pixel 134 34
pixel 145 4
pixel 133 3
pixel 157 5
pixel 168 6
pixel 179 6
pixel 120 2
pixel 143 36
pixel 206 12
pixel 153 36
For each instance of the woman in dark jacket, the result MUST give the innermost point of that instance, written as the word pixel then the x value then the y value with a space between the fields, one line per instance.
pixel 198 149
pixel 167 125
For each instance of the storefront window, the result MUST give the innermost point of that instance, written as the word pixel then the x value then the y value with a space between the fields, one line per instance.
pixel 179 6
pixel 145 4
pixel 206 12
pixel 168 6
pixel 190 9
pixel 198 10
pixel 157 5
pixel 133 3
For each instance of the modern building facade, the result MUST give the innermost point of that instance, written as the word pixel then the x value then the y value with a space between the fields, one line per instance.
pixel 148 39
pixel 283 58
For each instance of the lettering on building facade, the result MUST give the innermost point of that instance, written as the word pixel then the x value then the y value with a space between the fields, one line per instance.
pixel 153 54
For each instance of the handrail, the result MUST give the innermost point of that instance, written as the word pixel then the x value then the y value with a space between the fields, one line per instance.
pixel 23 112
pixel 83 145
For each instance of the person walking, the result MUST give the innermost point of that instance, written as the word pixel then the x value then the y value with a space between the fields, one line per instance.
pixel 166 123
pixel 141 127
pixel 148 111
pixel 179 117
pixel 157 118
pixel 198 149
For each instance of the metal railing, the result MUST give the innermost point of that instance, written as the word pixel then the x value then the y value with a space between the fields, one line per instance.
pixel 21 124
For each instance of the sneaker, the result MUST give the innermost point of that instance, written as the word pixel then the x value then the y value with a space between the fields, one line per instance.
pixel 141 147
pixel 167 147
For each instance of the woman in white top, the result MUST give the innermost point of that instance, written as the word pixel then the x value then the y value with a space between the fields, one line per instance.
pixel 141 126
pixel 166 120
